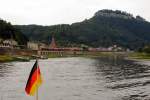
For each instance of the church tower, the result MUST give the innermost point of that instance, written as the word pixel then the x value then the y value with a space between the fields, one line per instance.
pixel 53 43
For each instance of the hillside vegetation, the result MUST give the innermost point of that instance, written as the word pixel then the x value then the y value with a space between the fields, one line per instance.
pixel 8 31
pixel 104 29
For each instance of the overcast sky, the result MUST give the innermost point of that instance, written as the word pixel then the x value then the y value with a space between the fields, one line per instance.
pixel 50 12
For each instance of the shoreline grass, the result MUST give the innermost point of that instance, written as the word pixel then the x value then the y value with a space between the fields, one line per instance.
pixel 139 56
pixel 6 58
pixel 9 58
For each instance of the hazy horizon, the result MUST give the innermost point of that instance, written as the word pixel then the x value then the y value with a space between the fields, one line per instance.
pixel 48 12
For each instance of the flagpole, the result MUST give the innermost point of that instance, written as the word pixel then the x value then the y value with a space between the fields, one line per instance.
pixel 37 79
pixel 37 94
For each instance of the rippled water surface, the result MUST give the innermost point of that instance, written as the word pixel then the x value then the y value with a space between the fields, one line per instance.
pixel 106 78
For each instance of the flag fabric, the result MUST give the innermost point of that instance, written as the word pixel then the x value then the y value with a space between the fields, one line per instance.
pixel 34 80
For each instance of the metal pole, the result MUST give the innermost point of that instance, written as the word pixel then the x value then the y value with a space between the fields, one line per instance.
pixel 37 94
pixel 37 79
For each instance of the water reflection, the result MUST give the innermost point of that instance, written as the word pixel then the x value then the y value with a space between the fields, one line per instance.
pixel 105 78
pixel 5 68
pixel 116 69
pixel 128 77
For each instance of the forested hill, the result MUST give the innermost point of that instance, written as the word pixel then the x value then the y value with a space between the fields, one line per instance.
pixel 7 31
pixel 105 28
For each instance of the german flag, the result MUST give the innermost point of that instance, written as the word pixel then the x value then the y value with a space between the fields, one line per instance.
pixel 34 80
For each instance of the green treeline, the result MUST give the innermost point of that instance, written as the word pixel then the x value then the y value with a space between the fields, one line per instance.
pixel 104 29
pixel 8 31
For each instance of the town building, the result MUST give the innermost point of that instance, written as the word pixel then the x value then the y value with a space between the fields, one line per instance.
pixel 9 43
pixel 33 46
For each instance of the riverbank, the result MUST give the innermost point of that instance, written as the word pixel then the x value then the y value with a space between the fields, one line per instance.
pixel 86 54
pixel 8 58
pixel 139 56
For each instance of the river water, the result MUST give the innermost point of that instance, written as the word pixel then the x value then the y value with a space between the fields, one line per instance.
pixel 105 78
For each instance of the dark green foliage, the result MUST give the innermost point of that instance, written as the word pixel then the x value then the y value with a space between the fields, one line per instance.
pixel 105 28
pixel 145 49
pixel 7 31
